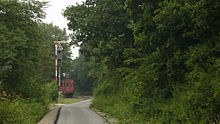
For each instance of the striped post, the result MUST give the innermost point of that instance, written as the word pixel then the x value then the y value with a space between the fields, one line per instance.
pixel 56 66
pixel 59 81
pixel 57 74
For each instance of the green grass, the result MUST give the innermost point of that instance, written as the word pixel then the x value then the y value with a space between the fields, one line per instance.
pixel 68 100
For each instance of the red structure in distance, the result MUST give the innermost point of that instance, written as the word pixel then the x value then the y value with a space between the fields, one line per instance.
pixel 67 86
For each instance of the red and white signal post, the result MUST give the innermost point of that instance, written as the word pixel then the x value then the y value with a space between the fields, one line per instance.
pixel 58 58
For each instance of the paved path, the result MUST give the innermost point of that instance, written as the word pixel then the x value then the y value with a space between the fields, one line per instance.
pixel 79 113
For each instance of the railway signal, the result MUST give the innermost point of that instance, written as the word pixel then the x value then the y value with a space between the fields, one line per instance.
pixel 58 59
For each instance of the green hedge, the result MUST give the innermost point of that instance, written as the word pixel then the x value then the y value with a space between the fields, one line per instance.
pixel 21 111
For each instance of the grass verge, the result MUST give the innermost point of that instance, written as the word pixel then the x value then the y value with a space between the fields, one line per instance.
pixel 68 100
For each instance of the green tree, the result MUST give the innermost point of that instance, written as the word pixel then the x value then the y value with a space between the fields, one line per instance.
pixel 81 74
pixel 101 30
pixel 25 55
pixel 158 59
pixel 20 41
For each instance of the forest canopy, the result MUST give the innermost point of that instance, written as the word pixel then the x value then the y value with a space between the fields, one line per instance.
pixel 153 61
pixel 27 85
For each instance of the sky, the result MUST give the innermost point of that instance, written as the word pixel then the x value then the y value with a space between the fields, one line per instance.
pixel 54 15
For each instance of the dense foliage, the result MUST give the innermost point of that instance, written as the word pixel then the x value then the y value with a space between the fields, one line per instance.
pixel 155 61
pixel 81 75
pixel 26 62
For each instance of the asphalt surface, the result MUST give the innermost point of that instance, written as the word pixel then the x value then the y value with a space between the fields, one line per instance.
pixel 79 113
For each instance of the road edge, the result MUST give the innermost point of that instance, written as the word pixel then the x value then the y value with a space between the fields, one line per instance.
pixel 58 115
pixel 108 119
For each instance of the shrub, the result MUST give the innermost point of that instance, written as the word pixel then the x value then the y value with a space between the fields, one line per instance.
pixel 24 110
pixel 21 111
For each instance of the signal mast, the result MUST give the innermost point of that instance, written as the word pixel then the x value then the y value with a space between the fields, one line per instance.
pixel 58 60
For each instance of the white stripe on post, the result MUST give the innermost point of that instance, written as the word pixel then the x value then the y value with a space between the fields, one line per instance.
pixel 56 62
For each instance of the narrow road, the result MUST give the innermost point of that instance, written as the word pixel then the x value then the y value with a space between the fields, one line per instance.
pixel 79 113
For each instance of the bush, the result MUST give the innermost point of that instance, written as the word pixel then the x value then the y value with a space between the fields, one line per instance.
pixel 21 111
pixel 24 110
